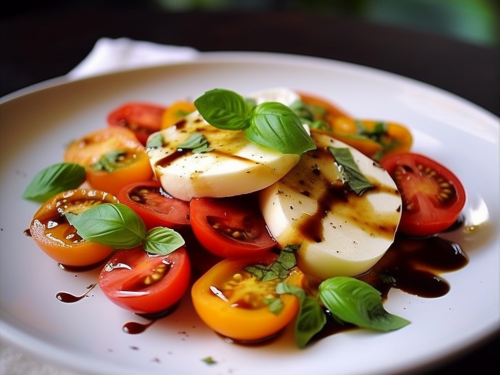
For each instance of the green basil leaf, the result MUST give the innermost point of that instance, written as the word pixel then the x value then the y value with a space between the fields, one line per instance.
pixel 155 141
pixel 275 125
pixel 110 224
pixel 349 170
pixel 162 241
pixel 311 318
pixel 224 109
pixel 53 180
pixel 197 143
pixel 357 302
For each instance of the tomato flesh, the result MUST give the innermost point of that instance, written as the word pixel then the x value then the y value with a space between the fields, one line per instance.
pixel 230 227
pixel 154 206
pixel 146 284
pixel 232 301
pixel 142 118
pixel 432 195
pixel 58 238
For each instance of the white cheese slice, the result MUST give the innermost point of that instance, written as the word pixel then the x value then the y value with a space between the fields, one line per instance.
pixel 235 166
pixel 340 233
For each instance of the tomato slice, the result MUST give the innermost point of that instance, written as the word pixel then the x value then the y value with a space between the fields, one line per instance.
pixel 153 205
pixel 113 157
pixel 143 283
pixel 321 108
pixel 90 148
pixel 432 195
pixel 118 169
pixel 373 138
pixel 176 111
pixel 230 227
pixel 142 118
pixel 232 301
pixel 58 238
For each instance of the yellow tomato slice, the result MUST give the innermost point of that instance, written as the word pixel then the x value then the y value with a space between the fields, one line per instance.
pixel 176 112
pixel 58 238
pixel 232 302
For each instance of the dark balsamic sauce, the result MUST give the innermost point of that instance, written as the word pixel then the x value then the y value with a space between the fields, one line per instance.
pixel 134 328
pixel 71 298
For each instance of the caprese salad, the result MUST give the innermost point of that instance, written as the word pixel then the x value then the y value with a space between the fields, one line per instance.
pixel 266 209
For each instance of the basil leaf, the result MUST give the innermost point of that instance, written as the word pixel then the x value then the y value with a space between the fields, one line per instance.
pixel 162 241
pixel 197 143
pixel 109 224
pixel 279 269
pixel 349 170
pixel 224 109
pixel 275 125
pixel 155 141
pixel 357 302
pixel 53 180
pixel 311 318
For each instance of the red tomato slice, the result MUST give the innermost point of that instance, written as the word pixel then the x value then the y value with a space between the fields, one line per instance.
pixel 142 118
pixel 146 284
pixel 432 195
pixel 230 227
pixel 232 301
pixel 58 238
pixel 154 206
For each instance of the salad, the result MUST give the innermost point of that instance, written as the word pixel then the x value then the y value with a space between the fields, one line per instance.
pixel 272 209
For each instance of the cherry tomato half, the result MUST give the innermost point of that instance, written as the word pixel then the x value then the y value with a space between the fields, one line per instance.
pixel 143 283
pixel 113 157
pixel 141 118
pixel 88 149
pixel 432 195
pixel 230 227
pixel 375 139
pixel 58 238
pixel 322 109
pixel 232 301
pixel 176 111
pixel 153 205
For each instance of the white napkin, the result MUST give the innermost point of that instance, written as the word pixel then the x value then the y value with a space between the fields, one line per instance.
pixel 108 55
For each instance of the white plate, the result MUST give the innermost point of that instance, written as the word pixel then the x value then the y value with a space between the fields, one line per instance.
pixel 87 336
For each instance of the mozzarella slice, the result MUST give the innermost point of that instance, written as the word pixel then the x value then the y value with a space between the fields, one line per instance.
pixel 340 233
pixel 235 166
pixel 282 95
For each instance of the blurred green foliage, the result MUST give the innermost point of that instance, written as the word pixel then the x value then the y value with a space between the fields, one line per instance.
pixel 474 21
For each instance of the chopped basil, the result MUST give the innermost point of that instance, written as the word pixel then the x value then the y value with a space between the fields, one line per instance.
pixel 279 269
pixel 53 180
pixel 269 124
pixel 118 226
pixel 110 162
pixel 197 143
pixel 209 360
pixel 275 305
pixel 349 170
